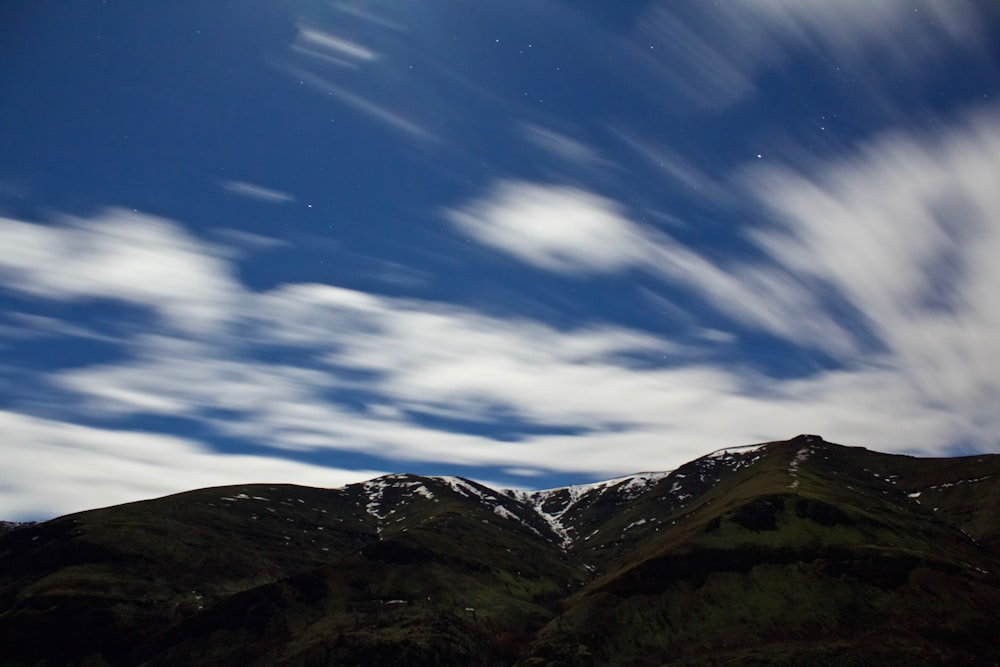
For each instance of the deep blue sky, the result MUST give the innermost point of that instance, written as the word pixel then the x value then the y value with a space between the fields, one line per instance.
pixel 533 243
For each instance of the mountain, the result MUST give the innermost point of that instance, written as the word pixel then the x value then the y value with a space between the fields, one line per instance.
pixel 7 526
pixel 785 553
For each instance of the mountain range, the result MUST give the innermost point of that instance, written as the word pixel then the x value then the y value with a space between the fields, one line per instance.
pixel 790 552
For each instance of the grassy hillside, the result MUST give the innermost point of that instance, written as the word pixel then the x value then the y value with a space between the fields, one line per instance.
pixel 792 552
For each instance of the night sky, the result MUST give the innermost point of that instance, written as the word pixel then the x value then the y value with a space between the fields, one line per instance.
pixel 533 243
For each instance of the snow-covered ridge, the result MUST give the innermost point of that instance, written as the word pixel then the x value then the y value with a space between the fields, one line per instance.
pixel 557 507
pixel 375 491
pixel 468 488
pixel 631 485
pixel 553 505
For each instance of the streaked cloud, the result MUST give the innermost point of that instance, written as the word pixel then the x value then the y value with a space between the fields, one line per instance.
pixel 712 55
pixel 238 238
pixel 677 170
pixel 559 145
pixel 312 38
pixel 907 31
pixel 374 111
pixel 367 16
pixel 30 326
pixel 258 192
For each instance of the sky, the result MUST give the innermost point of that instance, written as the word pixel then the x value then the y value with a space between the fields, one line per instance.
pixel 530 242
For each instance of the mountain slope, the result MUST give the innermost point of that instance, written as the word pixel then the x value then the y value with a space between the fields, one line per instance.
pixel 789 552
pixel 813 554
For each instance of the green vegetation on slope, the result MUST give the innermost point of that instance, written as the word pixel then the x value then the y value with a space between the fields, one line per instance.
pixel 795 552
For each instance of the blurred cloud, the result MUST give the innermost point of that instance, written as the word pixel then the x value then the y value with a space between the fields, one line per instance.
pixel 677 170
pixel 561 146
pixel 367 16
pixel 122 255
pixel 908 231
pixel 258 192
pixel 239 239
pixel 559 228
pixel 32 326
pixel 374 111
pixel 906 31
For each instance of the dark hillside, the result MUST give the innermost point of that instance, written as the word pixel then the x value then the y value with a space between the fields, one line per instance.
pixel 790 552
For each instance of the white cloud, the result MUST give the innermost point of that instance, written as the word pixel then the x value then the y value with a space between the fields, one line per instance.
pixel 258 192
pixel 419 357
pixel 559 228
pixel 908 231
pixel 54 467
pixel 121 255
pixel 313 40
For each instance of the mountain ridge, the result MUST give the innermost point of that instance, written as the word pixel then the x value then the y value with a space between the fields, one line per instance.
pixel 797 550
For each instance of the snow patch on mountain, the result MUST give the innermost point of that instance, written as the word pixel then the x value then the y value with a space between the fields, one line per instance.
pixel 560 508
pixel 375 491
pixel 464 487
pixel 793 467
pixel 554 506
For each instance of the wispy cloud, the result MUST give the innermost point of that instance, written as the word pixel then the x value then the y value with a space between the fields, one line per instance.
pixel 712 55
pixel 30 326
pixel 239 239
pixel 677 170
pixel 258 192
pixel 311 38
pixel 367 16
pixel 908 31
pixel 559 145
pixel 323 47
pixel 374 111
